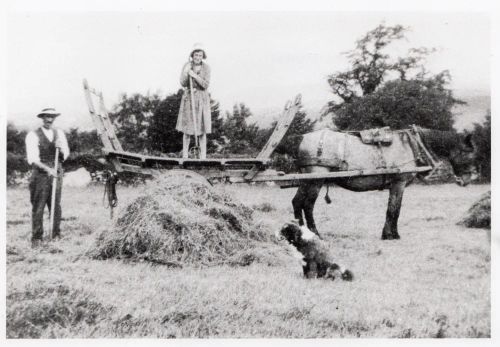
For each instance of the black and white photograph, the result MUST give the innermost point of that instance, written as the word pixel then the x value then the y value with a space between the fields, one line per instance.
pixel 248 171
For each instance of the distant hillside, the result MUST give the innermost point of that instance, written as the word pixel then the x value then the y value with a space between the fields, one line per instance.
pixel 474 112
pixel 265 116
pixel 478 103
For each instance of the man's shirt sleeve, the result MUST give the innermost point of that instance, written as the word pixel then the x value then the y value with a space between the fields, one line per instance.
pixel 32 151
pixel 64 143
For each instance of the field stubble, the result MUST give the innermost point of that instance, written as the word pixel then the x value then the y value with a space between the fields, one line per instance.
pixel 434 282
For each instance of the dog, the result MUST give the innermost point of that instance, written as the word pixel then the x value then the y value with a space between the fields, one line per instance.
pixel 316 257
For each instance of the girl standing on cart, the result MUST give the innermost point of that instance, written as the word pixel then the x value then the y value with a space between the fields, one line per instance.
pixel 194 114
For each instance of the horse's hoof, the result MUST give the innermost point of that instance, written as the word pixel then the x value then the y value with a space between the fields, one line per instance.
pixel 390 237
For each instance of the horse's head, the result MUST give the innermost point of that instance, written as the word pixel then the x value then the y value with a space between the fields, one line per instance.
pixel 462 160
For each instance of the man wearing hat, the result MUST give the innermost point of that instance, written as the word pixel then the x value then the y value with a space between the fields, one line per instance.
pixel 194 114
pixel 40 151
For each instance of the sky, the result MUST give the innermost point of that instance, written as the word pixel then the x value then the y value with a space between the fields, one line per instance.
pixel 260 58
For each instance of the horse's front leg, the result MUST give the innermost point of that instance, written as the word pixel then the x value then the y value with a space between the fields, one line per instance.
pixel 313 190
pixel 390 231
pixel 298 203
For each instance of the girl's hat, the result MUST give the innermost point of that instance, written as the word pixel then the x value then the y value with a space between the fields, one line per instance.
pixel 198 47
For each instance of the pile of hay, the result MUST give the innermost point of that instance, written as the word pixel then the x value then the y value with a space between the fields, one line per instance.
pixel 479 214
pixel 180 219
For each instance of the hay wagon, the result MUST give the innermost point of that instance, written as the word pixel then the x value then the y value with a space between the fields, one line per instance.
pixel 234 170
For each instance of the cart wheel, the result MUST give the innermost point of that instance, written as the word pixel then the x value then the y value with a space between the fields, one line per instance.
pixel 188 174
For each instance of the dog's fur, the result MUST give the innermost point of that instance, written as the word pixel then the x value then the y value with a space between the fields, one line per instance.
pixel 316 257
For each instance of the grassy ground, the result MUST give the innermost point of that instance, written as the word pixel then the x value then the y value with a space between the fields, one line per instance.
pixel 434 282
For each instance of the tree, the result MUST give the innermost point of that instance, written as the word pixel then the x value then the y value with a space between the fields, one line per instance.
pixel 290 143
pixel 87 142
pixel 215 142
pixel 380 90
pixel 482 140
pixel 162 134
pixel 400 103
pixel 15 139
pixel 239 135
pixel 17 164
pixel 131 118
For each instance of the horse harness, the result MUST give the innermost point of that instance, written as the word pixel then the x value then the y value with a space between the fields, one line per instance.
pixel 379 137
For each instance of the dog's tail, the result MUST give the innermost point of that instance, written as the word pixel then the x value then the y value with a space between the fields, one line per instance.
pixel 347 275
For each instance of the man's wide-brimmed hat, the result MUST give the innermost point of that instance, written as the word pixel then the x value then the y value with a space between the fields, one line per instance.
pixel 48 112
pixel 198 47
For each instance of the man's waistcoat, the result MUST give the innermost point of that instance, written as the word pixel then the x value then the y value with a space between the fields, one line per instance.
pixel 47 149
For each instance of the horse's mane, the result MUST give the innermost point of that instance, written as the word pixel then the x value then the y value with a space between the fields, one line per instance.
pixel 441 142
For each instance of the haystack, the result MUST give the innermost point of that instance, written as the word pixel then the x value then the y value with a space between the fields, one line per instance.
pixel 179 219
pixel 479 214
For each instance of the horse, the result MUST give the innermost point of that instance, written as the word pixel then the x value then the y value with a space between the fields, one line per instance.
pixel 327 150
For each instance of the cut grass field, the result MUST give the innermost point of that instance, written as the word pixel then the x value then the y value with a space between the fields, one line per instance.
pixel 434 282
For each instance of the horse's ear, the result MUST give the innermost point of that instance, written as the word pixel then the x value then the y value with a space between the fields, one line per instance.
pixel 468 142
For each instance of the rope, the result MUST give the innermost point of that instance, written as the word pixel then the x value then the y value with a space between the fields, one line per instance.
pixel 110 191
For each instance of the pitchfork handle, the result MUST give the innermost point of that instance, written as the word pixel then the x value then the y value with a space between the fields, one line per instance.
pixel 53 196
pixel 193 111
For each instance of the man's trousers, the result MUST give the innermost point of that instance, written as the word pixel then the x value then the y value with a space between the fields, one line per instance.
pixel 40 195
